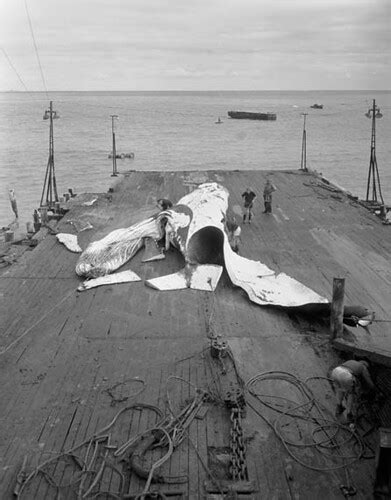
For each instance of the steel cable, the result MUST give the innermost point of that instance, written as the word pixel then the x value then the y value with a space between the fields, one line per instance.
pixel 36 49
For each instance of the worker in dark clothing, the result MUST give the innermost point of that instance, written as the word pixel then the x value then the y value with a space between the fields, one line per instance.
pixel 267 196
pixel 164 204
pixel 248 197
pixel 351 379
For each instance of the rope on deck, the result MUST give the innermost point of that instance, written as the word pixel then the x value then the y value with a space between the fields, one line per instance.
pixel 310 412
pixel 325 436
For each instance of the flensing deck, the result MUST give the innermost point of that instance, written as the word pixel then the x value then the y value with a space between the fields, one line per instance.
pixel 70 347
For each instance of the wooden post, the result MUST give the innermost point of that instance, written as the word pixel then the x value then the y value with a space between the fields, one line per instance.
pixel 337 307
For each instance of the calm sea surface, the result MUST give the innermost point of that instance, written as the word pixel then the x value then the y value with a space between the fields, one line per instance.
pixel 177 131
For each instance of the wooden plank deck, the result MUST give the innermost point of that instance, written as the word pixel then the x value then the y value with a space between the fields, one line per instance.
pixel 61 351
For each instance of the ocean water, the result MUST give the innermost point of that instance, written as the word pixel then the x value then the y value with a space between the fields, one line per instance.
pixel 177 131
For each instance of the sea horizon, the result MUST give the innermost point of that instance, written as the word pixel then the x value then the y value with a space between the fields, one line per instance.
pixel 176 130
pixel 101 91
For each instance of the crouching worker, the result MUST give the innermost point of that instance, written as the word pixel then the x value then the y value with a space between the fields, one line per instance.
pixel 351 380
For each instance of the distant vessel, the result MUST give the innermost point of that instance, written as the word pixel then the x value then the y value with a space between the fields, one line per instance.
pixel 219 120
pixel 121 156
pixel 252 116
pixel 317 106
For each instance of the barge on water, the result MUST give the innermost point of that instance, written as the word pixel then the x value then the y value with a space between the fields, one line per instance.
pixel 247 115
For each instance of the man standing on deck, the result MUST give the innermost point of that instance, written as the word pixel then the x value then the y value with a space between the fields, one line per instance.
pixel 267 196
pixel 14 205
pixel 248 197
pixel 350 380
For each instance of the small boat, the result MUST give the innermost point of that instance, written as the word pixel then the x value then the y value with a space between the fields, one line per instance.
pixel 317 106
pixel 121 156
pixel 219 120
pixel 246 115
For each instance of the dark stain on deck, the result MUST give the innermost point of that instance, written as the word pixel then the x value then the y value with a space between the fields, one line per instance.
pixel 70 361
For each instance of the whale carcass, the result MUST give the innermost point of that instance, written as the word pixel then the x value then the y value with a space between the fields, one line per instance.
pixel 196 227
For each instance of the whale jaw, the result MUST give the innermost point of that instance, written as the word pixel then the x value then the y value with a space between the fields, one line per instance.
pixel 206 246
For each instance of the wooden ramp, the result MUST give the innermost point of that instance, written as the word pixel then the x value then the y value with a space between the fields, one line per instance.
pixel 77 366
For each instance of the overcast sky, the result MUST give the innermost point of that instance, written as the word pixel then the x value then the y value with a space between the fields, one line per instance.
pixel 196 44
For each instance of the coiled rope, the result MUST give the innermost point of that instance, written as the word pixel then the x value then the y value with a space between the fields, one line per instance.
pixel 311 412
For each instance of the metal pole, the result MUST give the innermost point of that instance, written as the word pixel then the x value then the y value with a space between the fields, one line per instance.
pixel 371 165
pixel 52 152
pixel 373 172
pixel 50 185
pixel 304 147
pixel 373 150
pixel 46 181
pixel 115 172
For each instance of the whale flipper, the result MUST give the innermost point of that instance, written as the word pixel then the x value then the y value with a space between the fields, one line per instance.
pixel 199 277
pixel 266 287
pixel 110 279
